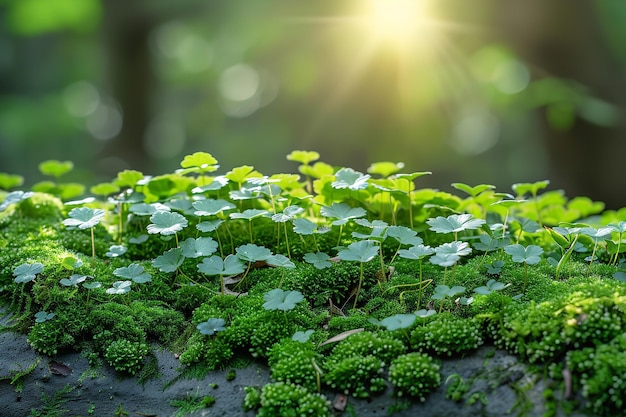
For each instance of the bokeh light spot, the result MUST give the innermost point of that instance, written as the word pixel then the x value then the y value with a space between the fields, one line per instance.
pixel 239 82
pixel 105 122
pixel 476 131
pixel 81 98
pixel 511 77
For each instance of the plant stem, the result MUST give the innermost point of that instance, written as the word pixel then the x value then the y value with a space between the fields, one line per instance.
pixel 93 245
pixel 358 289
pixel 287 240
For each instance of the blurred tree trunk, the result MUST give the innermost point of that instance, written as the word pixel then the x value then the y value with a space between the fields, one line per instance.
pixel 563 38
pixel 126 29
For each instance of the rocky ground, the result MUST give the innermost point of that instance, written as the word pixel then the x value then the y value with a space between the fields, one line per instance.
pixel 66 386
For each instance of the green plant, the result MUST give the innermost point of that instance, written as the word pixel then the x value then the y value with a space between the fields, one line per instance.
pixel 85 218
pixel 529 255
pixel 52 405
pixel 126 356
pixel 362 251
pixel 289 400
pixel 414 375
pixel 191 403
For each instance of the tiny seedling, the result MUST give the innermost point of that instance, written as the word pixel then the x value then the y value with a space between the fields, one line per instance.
pixel 301 336
pixel 211 326
pixel 404 236
pixel 495 268
pixel 27 272
pixel 249 214
pixel 43 316
pixel 134 272
pixel 448 254
pixel 85 218
pixel 198 247
pixel 409 178
pixel 350 179
pixel 597 235
pixel 288 214
pixel 116 251
pixel 343 213
pixel 443 291
pixel 251 253
pixel 454 223
pixel 491 286
pixel 170 260
pixel 529 255
pixel 417 252
pixel 167 223
pixel 278 299
pixel 619 228
pixel 14 197
pixel 395 322
pixel 215 265
pixel 73 280
pixel 280 261
pixel 119 287
pixel 320 260
pixel 362 251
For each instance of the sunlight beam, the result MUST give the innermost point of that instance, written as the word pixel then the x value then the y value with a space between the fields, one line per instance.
pixel 395 19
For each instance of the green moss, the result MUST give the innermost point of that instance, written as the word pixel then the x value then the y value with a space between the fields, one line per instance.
pixel 600 373
pixel 367 343
pixel 126 356
pixel 288 400
pixel 40 206
pixel 447 335
pixel 414 375
pixel 292 361
pixel 49 337
pixel 590 313
pixel 359 376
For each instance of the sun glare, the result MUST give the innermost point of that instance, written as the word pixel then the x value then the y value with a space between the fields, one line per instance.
pixel 395 19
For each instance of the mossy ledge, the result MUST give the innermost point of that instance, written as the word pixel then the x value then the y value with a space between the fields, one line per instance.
pixel 381 281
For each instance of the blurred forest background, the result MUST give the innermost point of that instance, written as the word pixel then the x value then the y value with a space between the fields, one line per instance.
pixel 481 91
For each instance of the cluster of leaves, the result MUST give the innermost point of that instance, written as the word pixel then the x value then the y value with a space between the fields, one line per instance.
pixel 251 261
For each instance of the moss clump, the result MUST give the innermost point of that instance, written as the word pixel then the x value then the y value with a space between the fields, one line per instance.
pixel 40 206
pixel 126 356
pixel 368 343
pixel 589 314
pixel 48 338
pixel 359 376
pixel 286 400
pixel 601 374
pixel 296 362
pixel 212 351
pixel 447 335
pixel 415 375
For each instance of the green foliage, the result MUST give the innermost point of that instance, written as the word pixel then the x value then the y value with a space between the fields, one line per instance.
pixel 126 356
pixel 365 343
pixel 219 296
pixel 414 375
pixel 295 362
pixel 599 373
pixel 49 337
pixel 288 400
pixel 358 376
pixel 586 315
pixel 447 335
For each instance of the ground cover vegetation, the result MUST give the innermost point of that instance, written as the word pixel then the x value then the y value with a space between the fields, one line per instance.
pixel 340 281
